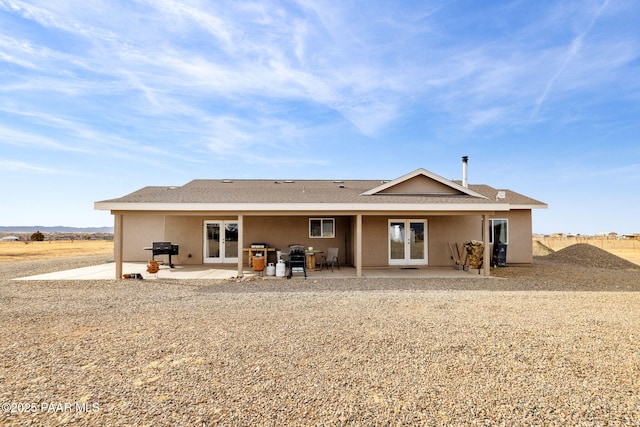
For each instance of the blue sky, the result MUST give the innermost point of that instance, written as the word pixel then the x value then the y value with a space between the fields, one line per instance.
pixel 99 98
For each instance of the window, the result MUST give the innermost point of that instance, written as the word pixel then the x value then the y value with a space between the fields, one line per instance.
pixel 498 231
pixel 322 228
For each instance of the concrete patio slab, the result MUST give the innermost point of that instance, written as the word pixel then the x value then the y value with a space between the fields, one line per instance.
pixel 214 271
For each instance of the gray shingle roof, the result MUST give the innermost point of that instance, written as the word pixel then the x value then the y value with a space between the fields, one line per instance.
pixel 307 191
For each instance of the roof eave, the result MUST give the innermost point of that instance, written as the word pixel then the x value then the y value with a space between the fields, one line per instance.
pixel 531 206
pixel 300 207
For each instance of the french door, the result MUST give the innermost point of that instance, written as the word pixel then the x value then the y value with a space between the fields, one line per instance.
pixel 220 242
pixel 408 242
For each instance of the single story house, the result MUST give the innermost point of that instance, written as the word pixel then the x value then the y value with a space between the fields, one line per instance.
pixel 407 221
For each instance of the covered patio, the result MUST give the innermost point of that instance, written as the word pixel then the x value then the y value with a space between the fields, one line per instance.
pixel 407 225
pixel 226 272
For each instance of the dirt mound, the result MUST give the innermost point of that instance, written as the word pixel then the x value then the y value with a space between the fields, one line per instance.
pixel 589 256
pixel 540 249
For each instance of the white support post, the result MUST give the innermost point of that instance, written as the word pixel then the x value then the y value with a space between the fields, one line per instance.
pixel 118 233
pixel 359 245
pixel 486 263
pixel 240 244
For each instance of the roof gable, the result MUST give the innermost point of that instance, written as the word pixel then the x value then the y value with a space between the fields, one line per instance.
pixel 422 182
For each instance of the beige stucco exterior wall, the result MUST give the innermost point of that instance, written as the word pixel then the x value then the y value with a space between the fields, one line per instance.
pixel 138 232
pixel 440 231
pixel 141 229
pixel 375 245
pixel 281 231
pixel 443 230
pixel 188 233
pixel 519 248
pixel 451 229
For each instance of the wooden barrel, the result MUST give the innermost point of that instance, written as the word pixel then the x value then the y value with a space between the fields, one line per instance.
pixel 258 263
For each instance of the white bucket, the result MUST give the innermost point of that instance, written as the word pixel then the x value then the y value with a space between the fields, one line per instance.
pixel 280 269
pixel 278 255
pixel 271 269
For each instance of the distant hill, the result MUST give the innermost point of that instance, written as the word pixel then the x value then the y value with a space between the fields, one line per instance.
pixel 55 229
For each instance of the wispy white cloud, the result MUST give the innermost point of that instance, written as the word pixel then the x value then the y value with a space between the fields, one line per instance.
pixel 598 175
pixel 630 172
pixel 57 14
pixel 22 138
pixel 171 59
pixel 261 141
pixel 172 88
pixel 573 51
pixel 9 165
pixel 209 21
pixel 75 137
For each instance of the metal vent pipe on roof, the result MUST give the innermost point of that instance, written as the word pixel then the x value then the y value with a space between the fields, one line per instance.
pixel 465 167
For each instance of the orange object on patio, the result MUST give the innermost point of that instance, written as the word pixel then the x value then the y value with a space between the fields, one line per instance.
pixel 153 267
pixel 258 263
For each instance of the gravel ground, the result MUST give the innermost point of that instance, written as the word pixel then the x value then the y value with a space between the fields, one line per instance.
pixel 555 343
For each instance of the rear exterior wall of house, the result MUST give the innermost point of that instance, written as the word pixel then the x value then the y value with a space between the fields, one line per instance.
pixel 141 229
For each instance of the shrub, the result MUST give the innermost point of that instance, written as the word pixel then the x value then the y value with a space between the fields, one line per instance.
pixel 37 236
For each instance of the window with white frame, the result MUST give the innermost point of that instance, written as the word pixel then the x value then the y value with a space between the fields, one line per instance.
pixel 323 228
pixel 499 231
